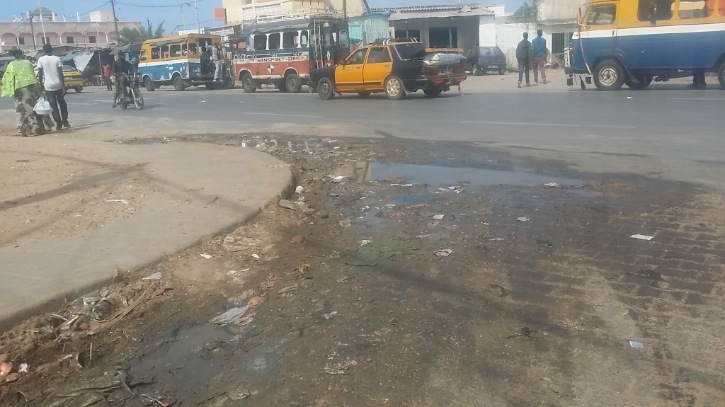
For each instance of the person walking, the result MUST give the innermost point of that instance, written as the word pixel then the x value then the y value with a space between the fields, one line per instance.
pixel 524 54
pixel 107 75
pixel 20 83
pixel 51 74
pixel 539 45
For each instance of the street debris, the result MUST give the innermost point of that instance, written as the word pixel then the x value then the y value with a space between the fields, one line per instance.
pixel 438 217
pixel 5 368
pixel 94 391
pixel 297 239
pixel 443 253
pixel 636 345
pixel 288 289
pixel 343 279
pixel 365 242
pixel 642 237
pixel 24 368
pixel 287 204
pixel 523 219
pixel 155 277
pixel 237 395
pixel 102 310
pixel 206 256
pixel 339 368
pixel 166 402
pixel 300 189
pixel 255 256
pixel 330 315
pixel 346 223
pixel 123 201
pixel 257 300
pixel 339 178
pixel 552 185
pixel 232 315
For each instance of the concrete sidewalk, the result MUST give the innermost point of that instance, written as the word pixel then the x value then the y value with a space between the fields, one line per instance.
pixel 197 190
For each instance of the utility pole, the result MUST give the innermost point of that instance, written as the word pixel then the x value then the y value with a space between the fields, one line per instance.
pixel 198 27
pixel 32 31
pixel 115 20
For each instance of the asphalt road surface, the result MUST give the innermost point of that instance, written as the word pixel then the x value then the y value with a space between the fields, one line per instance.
pixel 666 131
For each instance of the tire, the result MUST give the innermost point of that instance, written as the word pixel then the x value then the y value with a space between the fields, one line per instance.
pixel 394 88
pixel 364 94
pixel 124 102
pixel 293 83
pixel 433 92
pixel 178 83
pixel 149 84
pixel 248 83
pixel 638 81
pixel 608 75
pixel 138 100
pixel 78 89
pixel 325 89
pixel 721 75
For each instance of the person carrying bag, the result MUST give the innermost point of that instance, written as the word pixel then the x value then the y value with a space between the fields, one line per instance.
pixel 20 83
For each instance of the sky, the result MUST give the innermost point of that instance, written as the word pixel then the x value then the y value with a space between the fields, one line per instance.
pixel 177 14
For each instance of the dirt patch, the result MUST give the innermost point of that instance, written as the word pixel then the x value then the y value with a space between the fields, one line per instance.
pixel 407 273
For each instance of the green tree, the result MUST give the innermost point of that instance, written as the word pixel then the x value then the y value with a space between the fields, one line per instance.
pixel 527 13
pixel 135 35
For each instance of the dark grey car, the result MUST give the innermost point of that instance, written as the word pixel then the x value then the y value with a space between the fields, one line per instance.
pixel 484 59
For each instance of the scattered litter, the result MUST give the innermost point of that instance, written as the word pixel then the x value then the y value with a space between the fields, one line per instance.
pixel 256 256
pixel 365 242
pixel 330 315
pixel 92 391
pixel 206 256
pixel 438 217
pixel 256 301
pixel 552 185
pixel 237 395
pixel 629 97
pixel 102 310
pixel 166 402
pixel 202 101
pixel 12 377
pixel 287 204
pixel 5 368
pixel 287 289
pixel 443 253
pixel 496 239
pixel 232 272
pixel 636 344
pixel 346 223
pixel 297 239
pixel 523 219
pixel 230 316
pixel 300 189
pixel 339 178
pixel 401 185
pixel 339 368
pixel 123 201
pixel 423 236
pixel 343 279
pixel 642 237
pixel 156 276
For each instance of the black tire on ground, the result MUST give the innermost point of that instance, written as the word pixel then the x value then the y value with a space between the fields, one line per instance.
pixel 608 75
pixel 78 89
pixel 394 88
pixel 721 75
pixel 364 94
pixel 293 84
pixel 149 84
pixel 178 83
pixel 248 83
pixel 325 89
pixel 138 100
pixel 433 92
pixel 638 81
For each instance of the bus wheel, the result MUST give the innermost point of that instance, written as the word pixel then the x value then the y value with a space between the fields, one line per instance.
pixel 638 81
pixel 149 84
pixel 721 75
pixel 608 75
pixel 178 83
pixel 293 83
pixel 325 89
pixel 248 83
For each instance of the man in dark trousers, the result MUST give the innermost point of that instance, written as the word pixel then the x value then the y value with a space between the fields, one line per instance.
pixel 120 70
pixel 50 73
pixel 524 54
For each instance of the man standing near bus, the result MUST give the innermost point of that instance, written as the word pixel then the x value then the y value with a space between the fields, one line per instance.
pixel 539 44
pixel 524 54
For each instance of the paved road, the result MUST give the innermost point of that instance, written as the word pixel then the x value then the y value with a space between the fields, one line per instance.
pixel 666 130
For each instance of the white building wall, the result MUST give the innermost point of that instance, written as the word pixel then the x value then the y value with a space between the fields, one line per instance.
pixel 508 37
pixel 487 30
pixel 558 10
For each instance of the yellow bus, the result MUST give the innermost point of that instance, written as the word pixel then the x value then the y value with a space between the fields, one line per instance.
pixel 180 60
pixel 634 42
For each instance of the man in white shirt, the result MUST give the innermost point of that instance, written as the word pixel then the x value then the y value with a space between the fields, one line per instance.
pixel 51 76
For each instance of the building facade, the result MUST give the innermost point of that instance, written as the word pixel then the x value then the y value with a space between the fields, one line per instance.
pixel 246 11
pixel 30 36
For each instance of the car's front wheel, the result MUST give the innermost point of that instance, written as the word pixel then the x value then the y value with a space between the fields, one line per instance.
pixel 325 89
pixel 394 88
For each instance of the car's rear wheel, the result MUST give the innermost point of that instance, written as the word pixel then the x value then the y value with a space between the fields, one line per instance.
pixel 325 89
pixel 149 84
pixel 501 71
pixel 433 92
pixel 248 83
pixel 394 88
pixel 638 81
pixel 78 89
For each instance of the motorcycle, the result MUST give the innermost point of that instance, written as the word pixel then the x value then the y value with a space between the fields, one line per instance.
pixel 133 93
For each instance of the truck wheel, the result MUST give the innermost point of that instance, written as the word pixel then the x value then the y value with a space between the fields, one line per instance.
pixel 721 75
pixel 608 75
pixel 638 81
pixel 248 83
pixel 178 83
pixel 394 88
pixel 149 84
pixel 325 89
pixel 293 83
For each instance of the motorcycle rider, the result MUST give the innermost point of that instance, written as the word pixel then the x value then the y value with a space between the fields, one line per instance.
pixel 120 70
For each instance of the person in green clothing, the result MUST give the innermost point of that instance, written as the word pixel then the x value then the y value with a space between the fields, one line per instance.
pixel 20 83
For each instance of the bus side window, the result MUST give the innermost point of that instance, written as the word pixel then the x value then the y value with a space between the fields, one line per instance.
pixel 164 51
pixel 260 42
pixel 176 50
pixel 655 10
pixel 184 50
pixel 142 56
pixel 289 40
pixel 602 15
pixel 692 9
pixel 192 49
pixel 155 53
pixel 304 40
pixel 274 41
